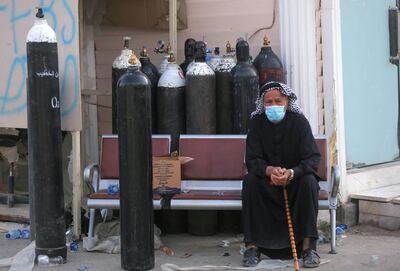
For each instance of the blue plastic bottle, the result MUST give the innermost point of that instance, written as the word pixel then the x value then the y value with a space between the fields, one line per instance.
pixel 25 234
pixel 12 235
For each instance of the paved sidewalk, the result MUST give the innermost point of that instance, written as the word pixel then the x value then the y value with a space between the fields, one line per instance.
pixel 355 252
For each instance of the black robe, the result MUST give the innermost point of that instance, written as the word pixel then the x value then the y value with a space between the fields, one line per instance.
pixel 289 144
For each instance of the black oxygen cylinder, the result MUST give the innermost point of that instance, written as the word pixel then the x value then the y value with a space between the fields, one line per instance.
pixel 224 91
pixel 244 89
pixel 189 54
pixel 151 72
pixel 200 95
pixel 171 103
pixel 119 67
pixel 268 65
pixel 135 167
pixel 44 140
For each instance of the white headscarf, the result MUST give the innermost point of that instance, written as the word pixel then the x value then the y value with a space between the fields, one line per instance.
pixel 285 90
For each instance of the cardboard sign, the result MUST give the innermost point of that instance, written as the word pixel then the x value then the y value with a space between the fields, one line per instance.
pixel 166 175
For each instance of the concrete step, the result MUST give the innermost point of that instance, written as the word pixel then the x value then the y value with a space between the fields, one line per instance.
pixel 382 194
pixel 381 214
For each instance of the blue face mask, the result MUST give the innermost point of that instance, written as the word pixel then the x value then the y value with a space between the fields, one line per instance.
pixel 275 113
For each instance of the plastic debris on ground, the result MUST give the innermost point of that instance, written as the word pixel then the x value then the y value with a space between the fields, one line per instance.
pixel 340 233
pixel 74 246
pixel 83 268
pixel 322 239
pixel 22 261
pixel 224 243
pixel 107 239
pixel 17 234
pixel 46 261
pixel 186 255
pixel 373 261
pixel 265 264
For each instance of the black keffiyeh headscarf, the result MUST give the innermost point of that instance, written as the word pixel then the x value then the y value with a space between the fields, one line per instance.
pixel 285 90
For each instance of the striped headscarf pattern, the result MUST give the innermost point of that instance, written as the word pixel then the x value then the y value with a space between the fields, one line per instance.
pixel 285 90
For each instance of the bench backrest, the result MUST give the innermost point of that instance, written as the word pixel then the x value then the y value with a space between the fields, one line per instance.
pixel 221 157
pixel 216 157
pixel 110 153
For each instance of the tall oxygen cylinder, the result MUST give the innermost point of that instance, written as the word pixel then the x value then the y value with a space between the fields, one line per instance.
pixel 135 167
pixel 119 67
pixel 200 95
pixel 224 91
pixel 268 65
pixel 171 103
pixel 44 140
pixel 189 54
pixel 151 72
pixel 244 89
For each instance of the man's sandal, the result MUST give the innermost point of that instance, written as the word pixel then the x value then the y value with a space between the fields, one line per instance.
pixel 251 257
pixel 311 258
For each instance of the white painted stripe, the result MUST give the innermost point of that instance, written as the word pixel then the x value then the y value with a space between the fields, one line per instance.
pixel 173 77
pixel 226 64
pixel 122 61
pixel 199 68
pixel 41 32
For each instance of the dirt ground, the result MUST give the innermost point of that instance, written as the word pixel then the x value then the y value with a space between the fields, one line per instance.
pixel 354 252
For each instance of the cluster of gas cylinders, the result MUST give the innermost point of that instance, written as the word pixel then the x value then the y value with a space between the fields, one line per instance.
pixel 206 94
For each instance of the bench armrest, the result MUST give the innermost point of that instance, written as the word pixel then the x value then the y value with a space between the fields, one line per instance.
pixel 91 177
pixel 334 187
pixel 335 181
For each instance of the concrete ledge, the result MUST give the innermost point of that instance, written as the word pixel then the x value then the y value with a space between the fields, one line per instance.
pixel 373 177
pixel 385 222
pixel 379 208
pixel 382 194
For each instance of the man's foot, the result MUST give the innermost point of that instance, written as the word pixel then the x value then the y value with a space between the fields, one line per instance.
pixel 251 257
pixel 311 258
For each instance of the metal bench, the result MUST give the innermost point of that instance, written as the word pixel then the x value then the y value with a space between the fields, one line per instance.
pixel 212 181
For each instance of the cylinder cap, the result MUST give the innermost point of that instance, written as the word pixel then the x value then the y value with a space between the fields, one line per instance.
pixel 133 60
pixel 228 47
pixel 200 50
pixel 189 47
pixel 266 42
pixel 242 50
pixel 171 58
pixel 39 13
pixel 144 53
pixel 168 49
pixel 126 42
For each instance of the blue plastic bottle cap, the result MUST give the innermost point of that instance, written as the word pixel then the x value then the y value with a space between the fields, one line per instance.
pixel 74 246
pixel 343 226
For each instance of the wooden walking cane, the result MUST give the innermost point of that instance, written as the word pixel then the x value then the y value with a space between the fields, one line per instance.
pixel 291 233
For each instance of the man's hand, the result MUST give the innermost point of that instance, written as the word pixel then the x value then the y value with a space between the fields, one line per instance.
pixel 279 176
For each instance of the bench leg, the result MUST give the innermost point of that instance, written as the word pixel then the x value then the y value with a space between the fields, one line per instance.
pixel 332 213
pixel 91 222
